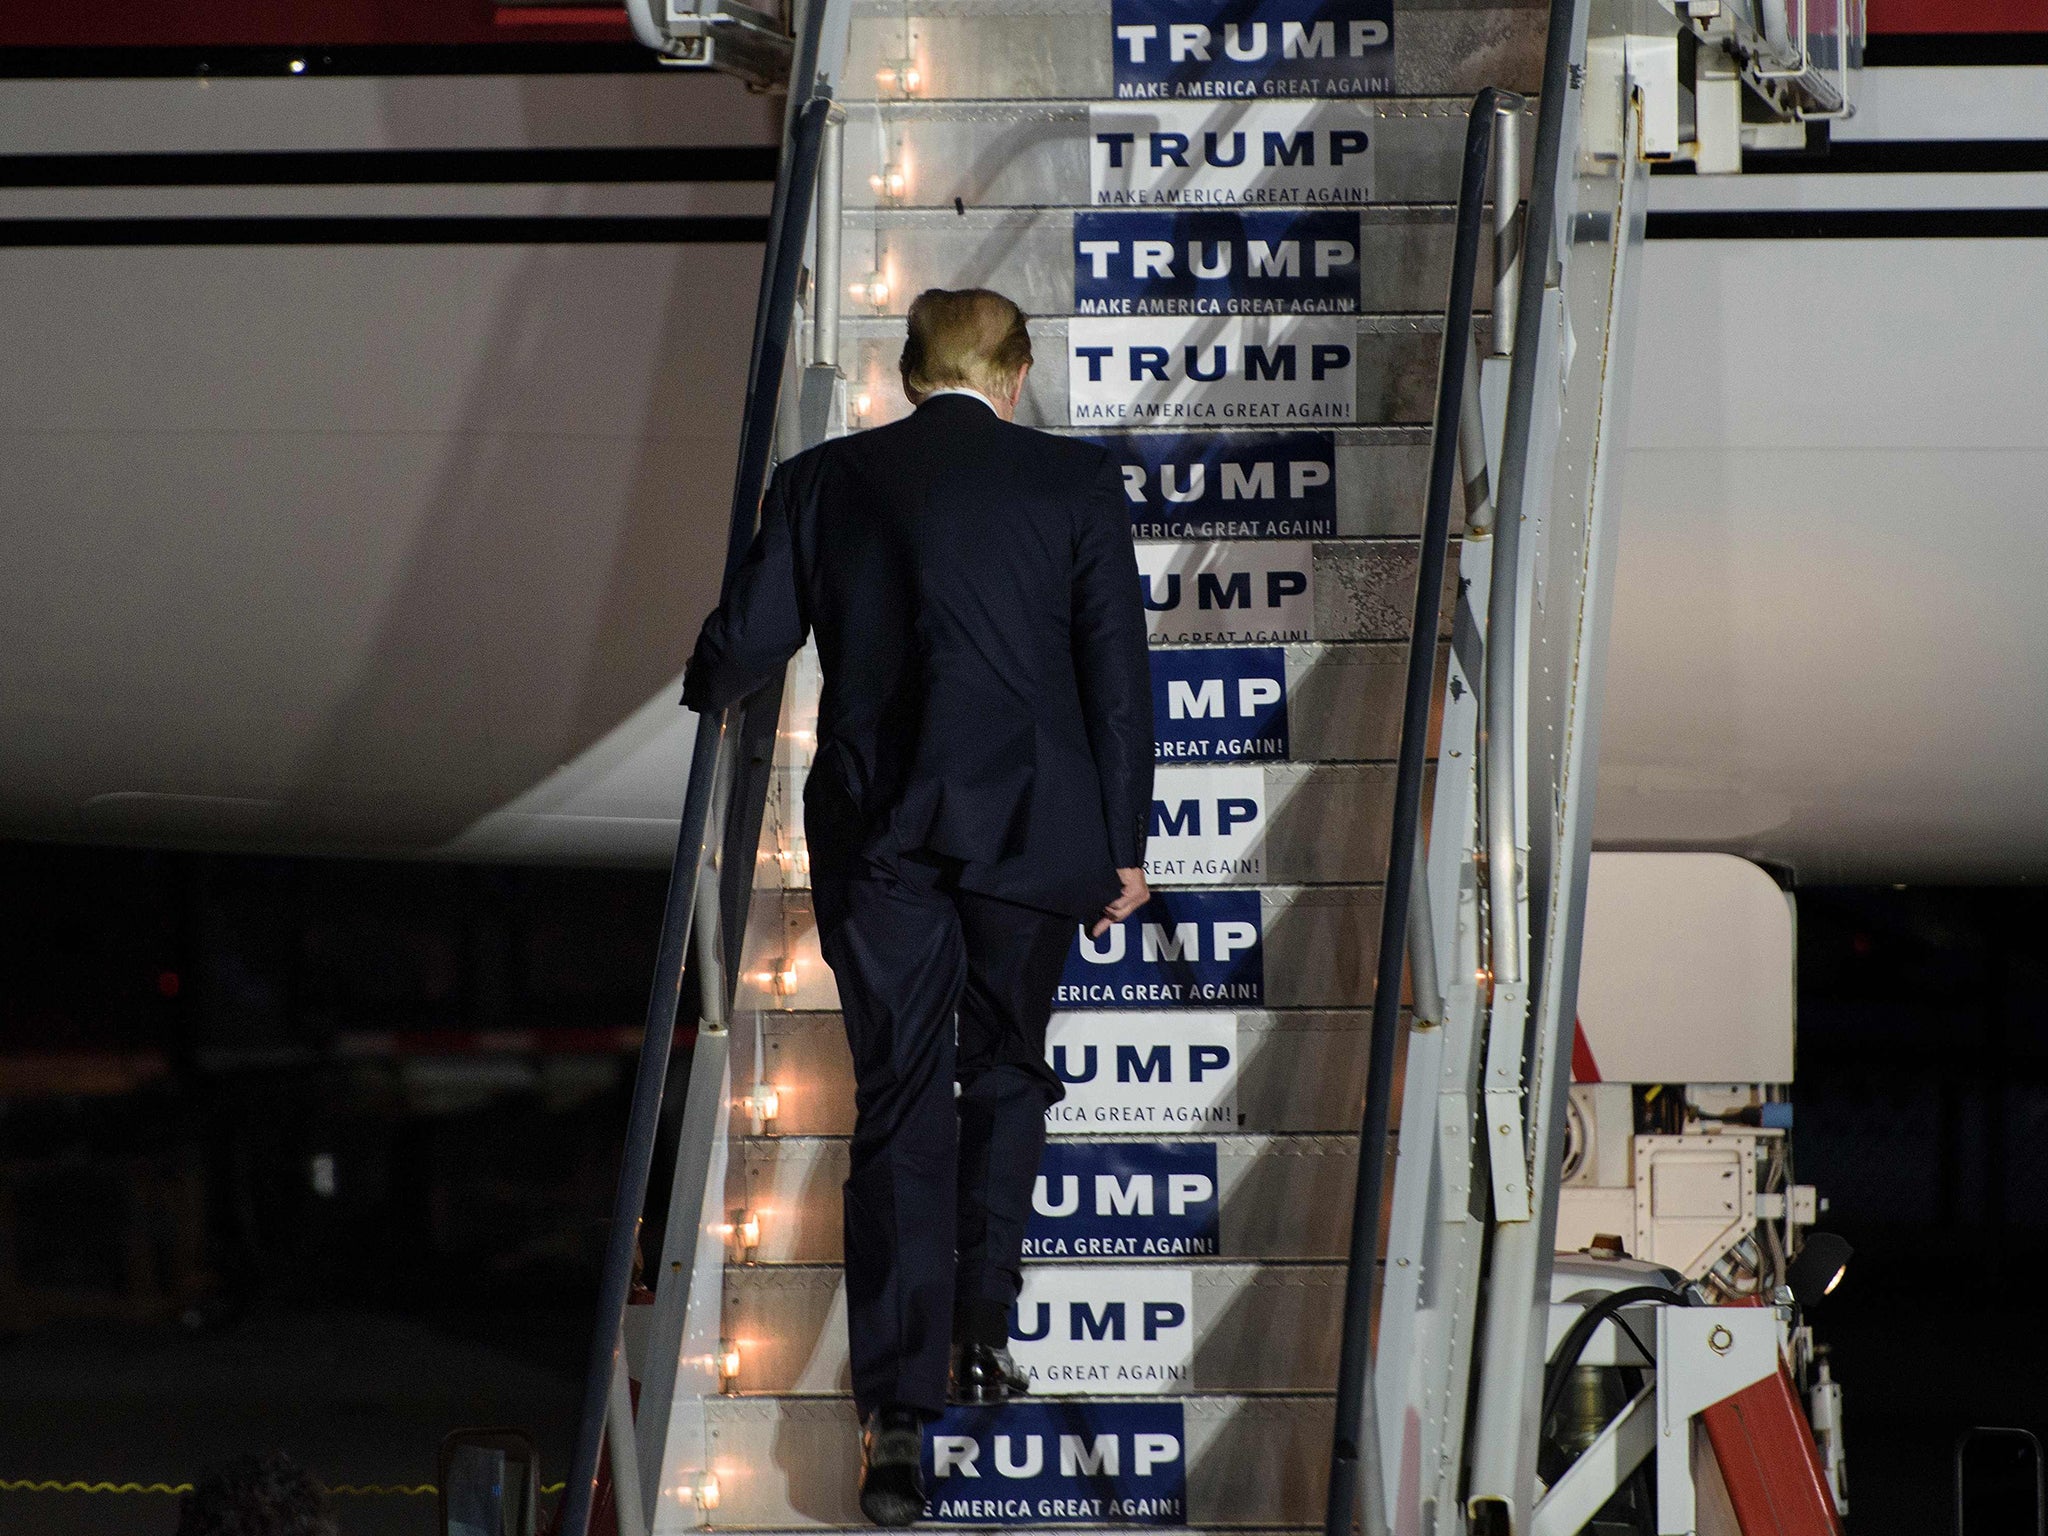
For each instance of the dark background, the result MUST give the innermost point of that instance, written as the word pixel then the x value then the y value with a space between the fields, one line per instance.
pixel 1922 1115
pixel 188 1041
pixel 303 1154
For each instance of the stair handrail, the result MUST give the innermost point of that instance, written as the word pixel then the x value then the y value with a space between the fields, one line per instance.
pixel 694 873
pixel 1354 1450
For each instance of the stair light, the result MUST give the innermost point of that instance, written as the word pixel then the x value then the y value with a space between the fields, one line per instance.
pixel 705 1491
pixel 783 977
pixel 899 76
pixel 872 289
pixel 728 1366
pixel 742 1233
pixel 892 180
pixel 762 1104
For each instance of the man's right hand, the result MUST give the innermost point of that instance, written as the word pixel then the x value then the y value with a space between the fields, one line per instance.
pixel 1133 896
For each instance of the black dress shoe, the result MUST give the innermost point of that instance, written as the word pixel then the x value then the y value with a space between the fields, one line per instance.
pixel 985 1373
pixel 891 1481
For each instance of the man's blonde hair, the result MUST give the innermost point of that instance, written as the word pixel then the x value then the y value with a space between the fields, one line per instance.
pixel 971 337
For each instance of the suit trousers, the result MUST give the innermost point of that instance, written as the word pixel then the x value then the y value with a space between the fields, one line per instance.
pixel 938 986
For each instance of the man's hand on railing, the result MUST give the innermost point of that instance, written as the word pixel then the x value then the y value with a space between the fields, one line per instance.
pixel 1133 896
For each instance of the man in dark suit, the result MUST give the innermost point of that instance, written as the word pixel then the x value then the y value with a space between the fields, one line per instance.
pixel 983 780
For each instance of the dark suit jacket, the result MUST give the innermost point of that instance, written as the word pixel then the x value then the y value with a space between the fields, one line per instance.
pixel 987 690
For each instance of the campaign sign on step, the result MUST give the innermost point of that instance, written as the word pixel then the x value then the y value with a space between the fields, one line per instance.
pixel 1227 593
pixel 1271 153
pixel 1215 262
pixel 1208 827
pixel 1257 371
pixel 1228 485
pixel 1182 949
pixel 1219 706
pixel 1124 1200
pixel 1057 1463
pixel 1249 48
pixel 1096 1329
pixel 1155 1074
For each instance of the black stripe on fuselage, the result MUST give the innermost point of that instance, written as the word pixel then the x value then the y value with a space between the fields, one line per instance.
pixel 393 167
pixel 243 61
pixel 1893 157
pixel 455 230
pixel 1935 50
pixel 1850 224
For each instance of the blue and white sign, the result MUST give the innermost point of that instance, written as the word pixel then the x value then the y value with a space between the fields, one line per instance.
pixel 1236 485
pixel 1212 262
pixel 1227 593
pixel 1208 827
pixel 1182 949
pixel 1124 1200
pixel 1098 1329
pixel 1063 1463
pixel 1268 152
pixel 1152 1074
pixel 1219 706
pixel 1291 370
pixel 1169 48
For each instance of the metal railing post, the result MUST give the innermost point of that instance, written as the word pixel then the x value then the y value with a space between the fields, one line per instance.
pixel 1518 282
pixel 714 985
pixel 826 279
pixel 1498 702
pixel 1355 1487
pixel 1472 451
pixel 1423 981
pixel 664 999
pixel 1507 232
pixel 627 1510
pixel 1495 1463
pixel 693 908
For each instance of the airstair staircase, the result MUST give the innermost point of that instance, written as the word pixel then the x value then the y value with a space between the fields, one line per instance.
pixel 1188 1368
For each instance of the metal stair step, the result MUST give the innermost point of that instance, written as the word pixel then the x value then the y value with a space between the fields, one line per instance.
pixel 1404 255
pixel 794 1462
pixel 1395 372
pixel 1380 474
pixel 1323 823
pixel 997 49
pixel 1319 823
pixel 1255 1327
pixel 995 154
pixel 1360 591
pixel 1280 1197
pixel 1298 1071
pixel 1343 700
pixel 1319 944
